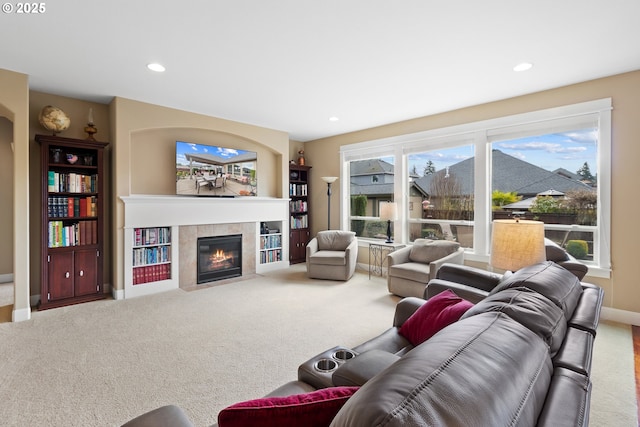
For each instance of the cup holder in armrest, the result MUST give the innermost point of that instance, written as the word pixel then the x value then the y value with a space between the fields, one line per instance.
pixel 325 365
pixel 343 355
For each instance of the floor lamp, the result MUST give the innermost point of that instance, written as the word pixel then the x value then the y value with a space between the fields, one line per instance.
pixel 389 212
pixel 517 243
pixel 329 180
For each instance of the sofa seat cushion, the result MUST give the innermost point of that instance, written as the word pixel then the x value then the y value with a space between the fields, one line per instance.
pixel 334 240
pixel 437 313
pixel 328 258
pixel 316 408
pixel 426 250
pixel 429 386
pixel 415 271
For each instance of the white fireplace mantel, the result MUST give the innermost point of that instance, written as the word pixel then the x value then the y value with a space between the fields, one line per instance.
pixel 161 211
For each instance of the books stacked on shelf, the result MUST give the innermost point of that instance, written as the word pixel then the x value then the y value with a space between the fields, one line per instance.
pixel 59 182
pixel 151 255
pixel 152 236
pixel 298 206
pixel 301 221
pixel 297 189
pixel 271 241
pixel 79 233
pixel 151 273
pixel 71 207
pixel 270 256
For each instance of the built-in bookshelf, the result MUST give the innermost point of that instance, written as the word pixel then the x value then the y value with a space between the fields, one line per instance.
pixel 299 220
pixel 270 242
pixel 151 253
pixel 72 220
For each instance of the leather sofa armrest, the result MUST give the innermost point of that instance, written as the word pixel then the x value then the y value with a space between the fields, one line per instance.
pixel 165 416
pixel 398 257
pixel 470 293
pixel 456 257
pixel 363 367
pixel 470 276
pixel 586 316
pixel 405 308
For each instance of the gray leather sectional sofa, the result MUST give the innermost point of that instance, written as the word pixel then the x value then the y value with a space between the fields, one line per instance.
pixel 520 357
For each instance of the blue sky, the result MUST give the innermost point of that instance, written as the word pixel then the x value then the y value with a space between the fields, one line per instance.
pixel 188 147
pixel 568 150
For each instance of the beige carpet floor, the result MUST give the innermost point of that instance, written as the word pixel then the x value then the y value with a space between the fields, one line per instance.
pixel 105 362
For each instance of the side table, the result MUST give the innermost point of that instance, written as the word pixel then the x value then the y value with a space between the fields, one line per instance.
pixel 377 252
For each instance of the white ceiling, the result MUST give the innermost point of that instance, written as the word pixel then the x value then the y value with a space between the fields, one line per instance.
pixel 292 64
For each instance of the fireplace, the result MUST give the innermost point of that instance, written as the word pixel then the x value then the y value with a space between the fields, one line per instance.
pixel 219 257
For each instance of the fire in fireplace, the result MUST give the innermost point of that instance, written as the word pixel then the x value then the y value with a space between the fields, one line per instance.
pixel 219 257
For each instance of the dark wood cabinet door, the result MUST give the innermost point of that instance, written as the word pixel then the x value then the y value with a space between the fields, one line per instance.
pixel 60 276
pixel 86 269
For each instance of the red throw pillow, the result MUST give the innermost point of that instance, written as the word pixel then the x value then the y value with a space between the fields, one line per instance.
pixel 438 312
pixel 314 409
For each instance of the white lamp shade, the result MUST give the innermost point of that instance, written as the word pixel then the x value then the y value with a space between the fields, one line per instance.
pixel 329 179
pixel 388 211
pixel 517 243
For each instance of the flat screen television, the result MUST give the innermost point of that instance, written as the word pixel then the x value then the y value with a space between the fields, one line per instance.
pixel 215 171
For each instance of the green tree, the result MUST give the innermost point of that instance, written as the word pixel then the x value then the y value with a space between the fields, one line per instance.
pixel 430 168
pixel 359 208
pixel 545 204
pixel 585 173
pixel 500 198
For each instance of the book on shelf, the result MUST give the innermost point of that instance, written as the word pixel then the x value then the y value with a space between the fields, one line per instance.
pixel 151 273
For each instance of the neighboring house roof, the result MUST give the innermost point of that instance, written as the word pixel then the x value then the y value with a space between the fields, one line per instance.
pixel 371 167
pixel 217 160
pixel 509 174
pixel 371 189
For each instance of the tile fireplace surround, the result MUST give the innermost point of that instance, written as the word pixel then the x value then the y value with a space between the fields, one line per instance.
pixel 193 217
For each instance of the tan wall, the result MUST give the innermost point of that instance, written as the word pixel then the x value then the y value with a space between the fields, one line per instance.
pixel 144 141
pixel 14 105
pixel 78 112
pixel 621 290
pixel 6 195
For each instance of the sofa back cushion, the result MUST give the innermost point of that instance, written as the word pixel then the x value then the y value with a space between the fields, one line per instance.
pixel 554 252
pixel 426 250
pixel 532 310
pixel 334 240
pixel 485 370
pixel 548 279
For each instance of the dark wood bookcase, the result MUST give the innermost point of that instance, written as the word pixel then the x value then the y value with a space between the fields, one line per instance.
pixel 299 218
pixel 72 177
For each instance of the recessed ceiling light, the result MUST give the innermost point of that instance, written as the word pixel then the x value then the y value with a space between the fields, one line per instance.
pixel 154 66
pixel 333 119
pixel 523 66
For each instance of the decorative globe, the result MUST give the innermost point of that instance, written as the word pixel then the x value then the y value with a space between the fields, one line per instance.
pixel 54 119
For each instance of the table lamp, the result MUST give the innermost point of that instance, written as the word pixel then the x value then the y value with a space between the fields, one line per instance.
pixel 389 212
pixel 517 243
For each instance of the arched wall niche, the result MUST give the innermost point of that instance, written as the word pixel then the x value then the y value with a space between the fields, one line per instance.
pixel 153 163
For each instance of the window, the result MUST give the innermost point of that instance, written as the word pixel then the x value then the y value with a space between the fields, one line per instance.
pixel 450 183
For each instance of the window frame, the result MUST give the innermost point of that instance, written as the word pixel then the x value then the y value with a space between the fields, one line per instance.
pixel 481 134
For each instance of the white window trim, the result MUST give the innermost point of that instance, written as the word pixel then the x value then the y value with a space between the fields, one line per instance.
pixel 479 133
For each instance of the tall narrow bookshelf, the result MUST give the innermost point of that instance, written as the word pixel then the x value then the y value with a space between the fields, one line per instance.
pixel 72 220
pixel 151 254
pixel 299 218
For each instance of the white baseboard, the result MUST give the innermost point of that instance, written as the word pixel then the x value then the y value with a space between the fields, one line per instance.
pixel 117 293
pixel 622 316
pixel 21 315
pixel 6 278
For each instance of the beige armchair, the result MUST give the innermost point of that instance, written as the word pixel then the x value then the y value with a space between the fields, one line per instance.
pixel 332 255
pixel 411 267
